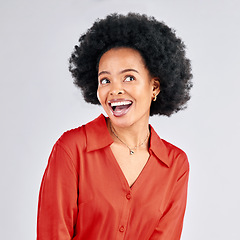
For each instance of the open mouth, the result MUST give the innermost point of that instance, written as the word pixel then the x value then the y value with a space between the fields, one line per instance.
pixel 120 108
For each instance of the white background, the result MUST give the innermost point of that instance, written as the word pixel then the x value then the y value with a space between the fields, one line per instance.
pixel 38 102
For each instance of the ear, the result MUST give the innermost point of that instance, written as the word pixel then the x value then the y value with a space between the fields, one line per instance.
pixel 156 86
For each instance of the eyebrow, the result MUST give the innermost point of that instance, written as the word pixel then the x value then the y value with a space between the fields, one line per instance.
pixel 123 71
pixel 103 72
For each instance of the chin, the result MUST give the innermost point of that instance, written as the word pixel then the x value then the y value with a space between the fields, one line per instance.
pixel 127 120
pixel 123 121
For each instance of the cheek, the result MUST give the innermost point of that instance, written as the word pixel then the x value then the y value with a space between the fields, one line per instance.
pixel 145 92
pixel 101 96
pixel 148 96
pixel 98 96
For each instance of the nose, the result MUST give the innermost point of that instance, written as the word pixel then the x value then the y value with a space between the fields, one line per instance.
pixel 118 92
pixel 116 89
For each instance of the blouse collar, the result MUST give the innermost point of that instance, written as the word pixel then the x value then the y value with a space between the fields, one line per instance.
pixel 98 137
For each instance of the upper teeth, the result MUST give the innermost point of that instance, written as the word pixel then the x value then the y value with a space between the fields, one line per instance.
pixel 114 104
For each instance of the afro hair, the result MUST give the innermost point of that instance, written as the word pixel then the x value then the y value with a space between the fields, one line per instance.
pixel 163 53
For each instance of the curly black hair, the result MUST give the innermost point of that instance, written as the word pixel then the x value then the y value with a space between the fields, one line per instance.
pixel 162 50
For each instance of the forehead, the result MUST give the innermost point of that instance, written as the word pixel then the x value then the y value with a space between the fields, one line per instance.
pixel 121 57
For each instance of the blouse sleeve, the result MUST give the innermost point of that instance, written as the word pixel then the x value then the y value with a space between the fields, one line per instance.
pixel 57 206
pixel 171 222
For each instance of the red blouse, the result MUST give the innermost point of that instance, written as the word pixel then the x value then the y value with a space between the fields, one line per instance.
pixel 85 196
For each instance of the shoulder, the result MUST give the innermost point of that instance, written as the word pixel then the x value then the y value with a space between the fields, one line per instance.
pixel 73 136
pixel 71 142
pixel 177 155
pixel 168 153
pixel 174 149
pixel 76 140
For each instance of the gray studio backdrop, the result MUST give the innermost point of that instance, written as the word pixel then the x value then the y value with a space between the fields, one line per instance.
pixel 39 102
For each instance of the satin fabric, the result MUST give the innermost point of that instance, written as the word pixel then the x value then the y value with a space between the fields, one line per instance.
pixel 84 195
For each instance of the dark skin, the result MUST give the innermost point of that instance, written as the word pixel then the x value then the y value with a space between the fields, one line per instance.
pixel 123 78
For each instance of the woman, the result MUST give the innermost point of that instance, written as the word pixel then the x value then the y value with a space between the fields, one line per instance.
pixel 114 178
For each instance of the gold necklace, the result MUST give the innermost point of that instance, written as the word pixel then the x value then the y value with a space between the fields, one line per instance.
pixel 131 152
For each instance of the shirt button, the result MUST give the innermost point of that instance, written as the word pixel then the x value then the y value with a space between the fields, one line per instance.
pixel 121 229
pixel 128 196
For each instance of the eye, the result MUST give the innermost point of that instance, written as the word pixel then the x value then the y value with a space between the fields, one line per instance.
pixel 129 79
pixel 104 81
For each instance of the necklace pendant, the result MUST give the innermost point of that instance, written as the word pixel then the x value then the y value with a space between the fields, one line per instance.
pixel 131 152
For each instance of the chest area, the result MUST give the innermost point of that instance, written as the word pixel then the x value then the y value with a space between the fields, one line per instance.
pixel 106 180
pixel 130 164
pixel 105 194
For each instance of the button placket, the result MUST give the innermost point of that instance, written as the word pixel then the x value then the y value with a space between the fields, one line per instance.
pixel 125 215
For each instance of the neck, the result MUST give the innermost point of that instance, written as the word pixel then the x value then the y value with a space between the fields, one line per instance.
pixel 132 136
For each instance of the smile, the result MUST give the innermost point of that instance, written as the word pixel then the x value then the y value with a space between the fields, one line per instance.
pixel 119 107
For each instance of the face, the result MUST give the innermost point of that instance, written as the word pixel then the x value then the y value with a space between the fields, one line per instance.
pixel 125 87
